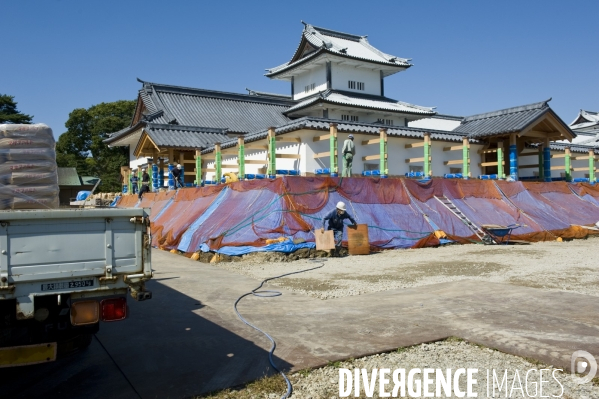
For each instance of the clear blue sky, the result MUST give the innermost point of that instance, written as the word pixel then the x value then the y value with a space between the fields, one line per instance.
pixel 469 56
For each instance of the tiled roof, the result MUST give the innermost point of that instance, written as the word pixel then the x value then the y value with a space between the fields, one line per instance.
pixel 345 127
pixel 326 41
pixel 361 101
pixel 184 136
pixel 585 120
pixel 581 148
pixel 238 113
pixel 504 121
pixel 68 177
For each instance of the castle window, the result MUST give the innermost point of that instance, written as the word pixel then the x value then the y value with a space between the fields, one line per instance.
pixel 309 88
pixel 353 118
pixel 388 122
pixel 352 84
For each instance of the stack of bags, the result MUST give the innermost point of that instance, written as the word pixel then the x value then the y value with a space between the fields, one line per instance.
pixel 28 174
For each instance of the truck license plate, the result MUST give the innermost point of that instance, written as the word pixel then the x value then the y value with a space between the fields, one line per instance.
pixel 67 285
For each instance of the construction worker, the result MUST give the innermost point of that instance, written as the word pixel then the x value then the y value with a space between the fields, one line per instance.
pixel 134 180
pixel 348 151
pixel 178 176
pixel 335 218
pixel 145 183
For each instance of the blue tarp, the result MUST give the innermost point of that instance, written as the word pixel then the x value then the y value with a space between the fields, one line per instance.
pixel 286 246
pixel 82 195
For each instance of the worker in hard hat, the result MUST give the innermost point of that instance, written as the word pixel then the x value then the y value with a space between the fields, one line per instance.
pixel 335 218
pixel 178 176
pixel 348 151
pixel 145 183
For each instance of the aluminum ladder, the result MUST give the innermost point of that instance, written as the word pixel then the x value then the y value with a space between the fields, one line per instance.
pixel 454 209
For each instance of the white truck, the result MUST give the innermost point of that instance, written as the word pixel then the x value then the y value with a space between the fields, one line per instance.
pixel 64 271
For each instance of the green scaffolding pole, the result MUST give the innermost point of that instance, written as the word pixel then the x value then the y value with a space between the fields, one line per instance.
pixel 567 165
pixel 465 158
pixel 383 153
pixel 591 166
pixel 427 151
pixel 218 165
pixel 272 153
pixel 333 153
pixel 198 181
pixel 241 158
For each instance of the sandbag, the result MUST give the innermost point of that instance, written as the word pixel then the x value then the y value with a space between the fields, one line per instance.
pixel 28 171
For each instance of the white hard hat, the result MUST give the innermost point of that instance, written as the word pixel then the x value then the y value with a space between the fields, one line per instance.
pixel 178 165
pixel 143 170
pixel 341 205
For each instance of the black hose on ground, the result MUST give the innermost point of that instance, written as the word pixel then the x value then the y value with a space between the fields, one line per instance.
pixel 270 294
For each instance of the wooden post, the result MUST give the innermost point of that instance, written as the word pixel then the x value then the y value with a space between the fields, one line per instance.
pixel 567 164
pixel 334 157
pixel 427 155
pixel 465 158
pixel 198 181
pixel 591 166
pixel 384 171
pixel 241 157
pixel 218 161
pixel 513 157
pixel 272 153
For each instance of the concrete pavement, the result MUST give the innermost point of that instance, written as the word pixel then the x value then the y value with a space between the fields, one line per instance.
pixel 187 340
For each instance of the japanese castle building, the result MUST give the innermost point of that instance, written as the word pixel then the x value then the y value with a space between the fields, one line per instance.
pixel 337 88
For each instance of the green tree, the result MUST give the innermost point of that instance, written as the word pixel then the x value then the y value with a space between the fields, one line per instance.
pixel 82 145
pixel 9 113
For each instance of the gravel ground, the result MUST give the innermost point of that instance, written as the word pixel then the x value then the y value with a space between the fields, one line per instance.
pixel 451 354
pixel 562 266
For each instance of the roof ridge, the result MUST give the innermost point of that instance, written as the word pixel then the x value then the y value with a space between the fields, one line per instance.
pixel 333 33
pixel 186 128
pixel 506 111
pixel 217 94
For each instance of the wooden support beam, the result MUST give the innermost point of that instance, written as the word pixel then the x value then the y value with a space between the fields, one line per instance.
pixel 322 154
pixel 321 138
pixel 254 146
pixel 256 161
pixel 586 169
pixel 558 156
pixel 534 165
pixel 189 161
pixel 414 160
pixel 371 157
pixel 285 139
pixel 414 145
pixel 373 141
pixel 563 167
pixel 289 156
pixel 454 148
pixel 454 162
pixel 486 151
pixel 581 158
pixel 487 164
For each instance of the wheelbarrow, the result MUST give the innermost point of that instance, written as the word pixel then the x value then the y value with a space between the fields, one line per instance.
pixel 497 234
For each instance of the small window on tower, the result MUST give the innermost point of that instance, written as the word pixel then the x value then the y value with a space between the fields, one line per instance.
pixel 351 84
pixel 360 85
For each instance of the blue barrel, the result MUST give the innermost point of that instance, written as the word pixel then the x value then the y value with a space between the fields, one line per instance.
pixel 171 179
pixel 161 178
pixel 155 178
